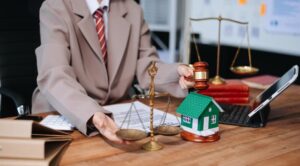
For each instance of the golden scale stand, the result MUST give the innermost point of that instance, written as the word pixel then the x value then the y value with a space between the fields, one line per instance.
pixel 240 70
pixel 134 134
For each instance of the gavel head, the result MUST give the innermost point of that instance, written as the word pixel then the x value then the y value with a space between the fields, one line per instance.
pixel 201 75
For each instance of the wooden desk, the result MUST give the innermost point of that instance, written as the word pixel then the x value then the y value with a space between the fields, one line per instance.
pixel 276 144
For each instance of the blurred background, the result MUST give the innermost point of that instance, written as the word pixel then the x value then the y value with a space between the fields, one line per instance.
pixel 274 36
pixel 273 29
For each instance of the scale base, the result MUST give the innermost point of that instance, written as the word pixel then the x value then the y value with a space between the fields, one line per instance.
pixel 217 80
pixel 197 138
pixel 152 146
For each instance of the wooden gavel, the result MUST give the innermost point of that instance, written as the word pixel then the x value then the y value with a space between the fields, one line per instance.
pixel 200 75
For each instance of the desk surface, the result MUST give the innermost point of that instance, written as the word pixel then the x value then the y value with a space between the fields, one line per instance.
pixel 276 144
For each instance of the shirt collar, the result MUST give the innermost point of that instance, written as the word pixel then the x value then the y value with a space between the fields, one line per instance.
pixel 94 5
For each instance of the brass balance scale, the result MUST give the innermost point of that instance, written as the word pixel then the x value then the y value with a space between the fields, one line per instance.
pixel 240 70
pixel 162 129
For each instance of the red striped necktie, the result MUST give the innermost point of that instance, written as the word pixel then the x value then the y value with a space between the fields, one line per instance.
pixel 100 27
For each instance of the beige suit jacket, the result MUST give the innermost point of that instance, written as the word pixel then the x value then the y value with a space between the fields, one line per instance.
pixel 72 78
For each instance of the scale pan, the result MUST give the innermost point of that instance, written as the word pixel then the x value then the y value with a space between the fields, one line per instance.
pixel 244 70
pixel 168 130
pixel 131 134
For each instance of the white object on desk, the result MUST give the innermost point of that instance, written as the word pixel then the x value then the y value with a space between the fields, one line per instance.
pixel 57 122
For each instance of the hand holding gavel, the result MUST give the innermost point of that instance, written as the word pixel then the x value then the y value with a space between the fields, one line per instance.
pixel 195 75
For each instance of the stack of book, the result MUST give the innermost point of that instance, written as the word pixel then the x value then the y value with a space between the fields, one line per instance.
pixel 233 92
pixel 24 142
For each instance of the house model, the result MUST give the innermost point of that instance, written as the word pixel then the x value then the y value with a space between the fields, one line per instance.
pixel 199 118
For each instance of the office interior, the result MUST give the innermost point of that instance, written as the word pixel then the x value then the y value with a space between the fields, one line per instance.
pixel 274 50
pixel 19 31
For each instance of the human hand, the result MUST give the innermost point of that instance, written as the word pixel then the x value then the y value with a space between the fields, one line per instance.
pixel 107 127
pixel 185 72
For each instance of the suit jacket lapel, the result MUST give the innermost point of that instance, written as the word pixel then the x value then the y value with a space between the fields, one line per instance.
pixel 87 26
pixel 118 35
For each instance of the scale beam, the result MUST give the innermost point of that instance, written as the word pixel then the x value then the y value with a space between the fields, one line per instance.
pixel 218 79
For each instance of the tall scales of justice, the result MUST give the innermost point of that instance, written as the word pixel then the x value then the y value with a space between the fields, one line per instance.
pixel 240 70
pixel 162 129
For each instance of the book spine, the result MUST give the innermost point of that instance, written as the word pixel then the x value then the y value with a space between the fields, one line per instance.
pixel 225 94
pixel 22 148
pixel 227 88
pixel 23 162
pixel 15 128
pixel 232 100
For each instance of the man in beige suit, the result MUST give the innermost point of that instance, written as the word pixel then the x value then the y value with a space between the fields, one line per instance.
pixel 75 80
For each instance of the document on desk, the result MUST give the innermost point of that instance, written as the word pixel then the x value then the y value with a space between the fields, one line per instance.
pixel 135 115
